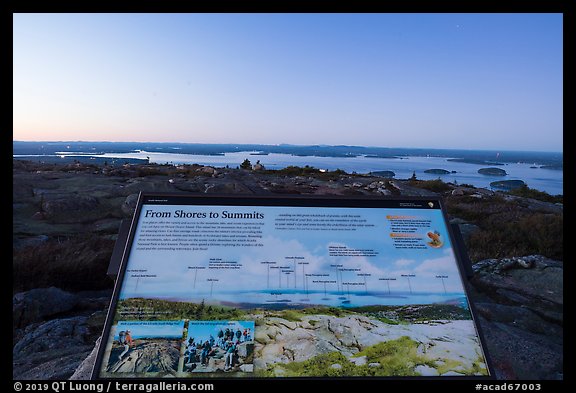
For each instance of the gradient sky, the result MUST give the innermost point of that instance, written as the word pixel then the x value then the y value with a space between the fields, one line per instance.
pixel 477 81
pixel 174 277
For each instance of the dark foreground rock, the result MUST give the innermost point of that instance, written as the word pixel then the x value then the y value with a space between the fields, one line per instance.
pixel 57 331
pixel 52 350
pixel 533 282
pixel 39 304
pixel 520 303
pixel 84 370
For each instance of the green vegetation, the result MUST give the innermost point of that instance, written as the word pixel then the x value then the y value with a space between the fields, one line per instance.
pixel 319 310
pixel 478 366
pixel 295 315
pixel 387 320
pixel 393 315
pixel 528 192
pixel 449 364
pixel 395 357
pixel 291 315
pixel 155 309
pixel 414 313
pixel 317 366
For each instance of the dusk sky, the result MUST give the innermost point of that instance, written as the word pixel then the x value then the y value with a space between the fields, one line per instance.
pixel 472 81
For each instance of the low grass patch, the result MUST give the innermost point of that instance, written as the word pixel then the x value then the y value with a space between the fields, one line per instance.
pixel 334 311
pixel 528 192
pixel 507 228
pixel 394 358
pixel 291 315
pixel 436 185
pixel 75 264
pixel 536 233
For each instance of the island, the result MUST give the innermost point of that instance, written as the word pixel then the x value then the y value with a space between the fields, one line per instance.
pixel 492 171
pixel 437 171
pixel 507 185
pixel 474 161
pixel 558 167
pixel 387 174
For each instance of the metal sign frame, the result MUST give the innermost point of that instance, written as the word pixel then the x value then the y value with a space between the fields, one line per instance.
pixel 125 243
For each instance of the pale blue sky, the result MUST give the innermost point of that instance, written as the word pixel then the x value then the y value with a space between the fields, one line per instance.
pixel 174 278
pixel 478 81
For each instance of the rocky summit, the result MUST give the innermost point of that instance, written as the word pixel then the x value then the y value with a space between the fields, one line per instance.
pixel 280 341
pixel 66 219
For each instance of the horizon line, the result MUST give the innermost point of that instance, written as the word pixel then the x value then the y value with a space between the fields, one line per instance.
pixel 293 144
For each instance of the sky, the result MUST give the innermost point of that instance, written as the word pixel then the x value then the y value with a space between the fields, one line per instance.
pixel 179 276
pixel 469 81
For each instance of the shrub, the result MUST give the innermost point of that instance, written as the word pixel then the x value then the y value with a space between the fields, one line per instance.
pixel 507 227
pixel 308 171
pixel 246 164
pixel 432 185
pixel 143 171
pixel 537 233
pixel 75 264
pixel 293 170
pixel 528 192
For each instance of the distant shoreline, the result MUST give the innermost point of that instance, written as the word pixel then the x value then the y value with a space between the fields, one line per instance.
pixel 483 157
pixel 541 171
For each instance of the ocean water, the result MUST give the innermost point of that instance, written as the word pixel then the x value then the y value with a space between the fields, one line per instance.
pixel 287 298
pixel 549 180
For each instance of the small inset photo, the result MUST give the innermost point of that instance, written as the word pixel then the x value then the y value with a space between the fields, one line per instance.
pixel 219 346
pixel 435 240
pixel 145 347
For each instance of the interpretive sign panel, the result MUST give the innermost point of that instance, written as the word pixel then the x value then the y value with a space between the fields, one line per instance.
pixel 266 287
